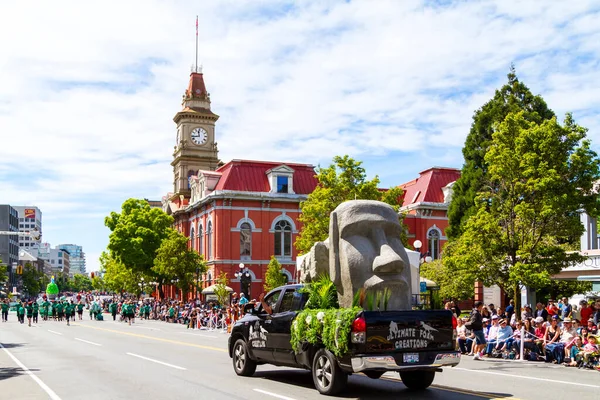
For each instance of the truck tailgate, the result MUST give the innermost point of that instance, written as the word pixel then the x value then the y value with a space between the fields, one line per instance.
pixel 407 331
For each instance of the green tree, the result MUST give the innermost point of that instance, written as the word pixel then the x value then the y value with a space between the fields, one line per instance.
pixel 514 96
pixel 3 275
pixel 174 260
pixel 274 277
pixel 32 280
pixel 221 290
pixel 343 180
pixel 116 277
pixel 80 282
pixel 455 280
pixel 98 283
pixel 137 233
pixel 540 176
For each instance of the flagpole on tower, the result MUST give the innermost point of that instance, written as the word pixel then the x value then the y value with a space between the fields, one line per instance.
pixel 196 67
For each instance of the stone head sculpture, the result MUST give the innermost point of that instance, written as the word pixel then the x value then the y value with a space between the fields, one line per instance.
pixel 365 252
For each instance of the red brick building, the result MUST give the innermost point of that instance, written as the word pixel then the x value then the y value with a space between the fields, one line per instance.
pixel 240 212
pixel 426 200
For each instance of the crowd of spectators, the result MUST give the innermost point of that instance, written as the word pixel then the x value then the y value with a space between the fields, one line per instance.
pixel 557 332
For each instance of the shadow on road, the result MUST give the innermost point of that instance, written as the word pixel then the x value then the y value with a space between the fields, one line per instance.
pixel 364 388
pixel 12 345
pixel 11 372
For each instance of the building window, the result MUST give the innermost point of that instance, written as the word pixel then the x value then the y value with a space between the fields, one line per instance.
pixel 433 238
pixel 209 240
pixel 245 239
pixel 59 261
pixel 60 253
pixel 283 239
pixel 282 184
pixel 192 238
pixel 200 240
pixel 189 180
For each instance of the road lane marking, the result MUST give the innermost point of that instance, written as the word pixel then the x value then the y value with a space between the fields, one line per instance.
pixel 156 361
pixel 87 341
pixel 144 327
pixel 528 377
pixel 56 333
pixel 50 392
pixel 484 395
pixel 278 396
pixel 198 334
pixel 199 346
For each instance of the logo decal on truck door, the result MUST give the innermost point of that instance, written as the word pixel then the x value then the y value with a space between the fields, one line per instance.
pixel 411 338
pixel 257 336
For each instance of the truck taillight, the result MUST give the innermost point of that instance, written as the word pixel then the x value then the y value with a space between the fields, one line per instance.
pixel 359 330
pixel 454 322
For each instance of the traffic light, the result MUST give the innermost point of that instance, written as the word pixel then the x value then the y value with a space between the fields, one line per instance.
pixel 19 270
pixel 92 275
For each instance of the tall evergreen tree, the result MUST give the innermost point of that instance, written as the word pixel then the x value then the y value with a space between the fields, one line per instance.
pixel 514 96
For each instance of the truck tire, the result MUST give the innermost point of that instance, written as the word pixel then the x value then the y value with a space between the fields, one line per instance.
pixel 328 377
pixel 373 374
pixel 242 364
pixel 417 380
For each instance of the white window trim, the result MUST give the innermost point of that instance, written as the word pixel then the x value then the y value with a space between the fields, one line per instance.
pixel 285 218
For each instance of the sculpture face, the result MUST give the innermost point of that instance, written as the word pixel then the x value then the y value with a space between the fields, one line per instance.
pixel 367 252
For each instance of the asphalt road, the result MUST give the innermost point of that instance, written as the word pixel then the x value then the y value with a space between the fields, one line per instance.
pixel 155 360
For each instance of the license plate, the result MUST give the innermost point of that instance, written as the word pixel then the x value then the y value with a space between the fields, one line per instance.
pixel 411 358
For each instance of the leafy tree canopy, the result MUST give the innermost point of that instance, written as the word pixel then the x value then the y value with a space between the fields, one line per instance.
pixel 514 96
pixel 274 277
pixel 343 180
pixel 175 261
pixel 540 175
pixel 32 280
pixel 118 278
pixel 136 234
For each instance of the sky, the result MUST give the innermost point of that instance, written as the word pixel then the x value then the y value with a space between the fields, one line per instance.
pixel 88 90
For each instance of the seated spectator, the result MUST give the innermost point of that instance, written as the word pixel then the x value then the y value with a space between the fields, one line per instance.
pixel 585 311
pixel 461 336
pixel 574 353
pixel 591 327
pixel 526 313
pixel 505 333
pixel 554 349
pixel 492 336
pixel 568 336
pixel 591 349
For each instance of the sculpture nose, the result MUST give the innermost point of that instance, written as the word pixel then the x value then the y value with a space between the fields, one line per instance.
pixel 388 261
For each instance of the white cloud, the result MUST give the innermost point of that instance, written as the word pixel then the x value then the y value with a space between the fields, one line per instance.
pixel 89 92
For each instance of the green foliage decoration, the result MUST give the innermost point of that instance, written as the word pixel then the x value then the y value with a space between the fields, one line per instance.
pixel 329 327
pixel 322 293
pixel 221 289
pixel 52 288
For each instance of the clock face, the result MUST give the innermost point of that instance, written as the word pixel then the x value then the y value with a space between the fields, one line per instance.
pixel 199 136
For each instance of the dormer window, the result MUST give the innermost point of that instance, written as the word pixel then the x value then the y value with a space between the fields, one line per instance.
pixel 281 179
pixel 282 184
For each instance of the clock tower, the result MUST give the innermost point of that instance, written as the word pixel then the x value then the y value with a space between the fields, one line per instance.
pixel 195 147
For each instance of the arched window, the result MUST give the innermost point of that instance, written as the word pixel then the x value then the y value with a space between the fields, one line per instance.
pixel 192 238
pixel 209 233
pixel 283 239
pixel 433 238
pixel 200 240
pixel 245 239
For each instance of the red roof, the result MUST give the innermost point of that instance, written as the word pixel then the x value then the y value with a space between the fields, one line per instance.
pixel 196 87
pixel 251 176
pixel 428 186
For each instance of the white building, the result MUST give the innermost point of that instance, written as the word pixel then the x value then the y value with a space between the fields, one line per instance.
pixel 30 218
pixel 59 259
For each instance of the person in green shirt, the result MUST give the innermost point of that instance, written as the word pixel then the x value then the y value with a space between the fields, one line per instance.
pixel 147 311
pixel 60 310
pixel 113 310
pixel 46 308
pixel 29 309
pixel 21 312
pixel 69 312
pixel 36 311
pixel 5 307
pixel 171 314
pixel 80 310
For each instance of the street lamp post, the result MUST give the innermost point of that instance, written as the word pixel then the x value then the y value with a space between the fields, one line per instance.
pixel 245 279
pixel 197 282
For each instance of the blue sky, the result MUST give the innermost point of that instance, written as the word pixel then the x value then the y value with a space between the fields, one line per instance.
pixel 89 92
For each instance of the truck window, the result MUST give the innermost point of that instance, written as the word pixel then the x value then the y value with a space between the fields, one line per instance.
pixel 272 299
pixel 300 300
pixel 287 301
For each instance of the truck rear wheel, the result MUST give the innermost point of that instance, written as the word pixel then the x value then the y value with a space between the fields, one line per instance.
pixel 242 364
pixel 417 380
pixel 328 377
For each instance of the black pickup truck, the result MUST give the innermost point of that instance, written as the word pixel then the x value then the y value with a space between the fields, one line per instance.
pixel 414 343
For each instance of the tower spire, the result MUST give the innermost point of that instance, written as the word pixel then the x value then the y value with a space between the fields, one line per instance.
pixel 196 66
